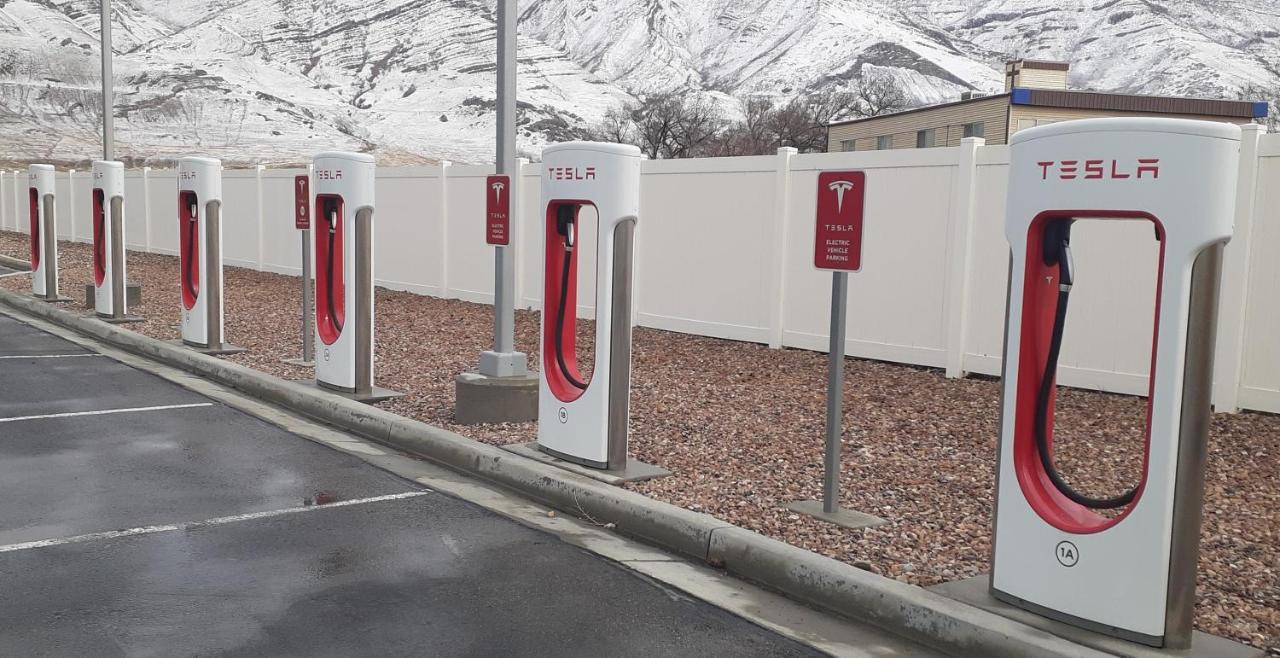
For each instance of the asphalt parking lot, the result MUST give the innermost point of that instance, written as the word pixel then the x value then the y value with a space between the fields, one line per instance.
pixel 138 517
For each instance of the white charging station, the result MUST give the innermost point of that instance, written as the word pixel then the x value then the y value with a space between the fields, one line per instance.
pixel 200 255
pixel 107 220
pixel 344 204
pixel 1130 572
pixel 584 419
pixel 42 195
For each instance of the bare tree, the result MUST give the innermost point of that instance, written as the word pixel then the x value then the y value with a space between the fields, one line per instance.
pixel 877 93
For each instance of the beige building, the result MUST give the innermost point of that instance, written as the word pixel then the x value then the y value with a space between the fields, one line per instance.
pixel 1035 94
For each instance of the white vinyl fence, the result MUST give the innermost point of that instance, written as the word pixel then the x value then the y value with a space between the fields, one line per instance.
pixel 724 248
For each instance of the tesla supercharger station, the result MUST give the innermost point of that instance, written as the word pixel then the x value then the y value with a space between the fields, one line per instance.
pixel 344 202
pixel 1126 565
pixel 200 254
pixel 44 233
pixel 107 206
pixel 584 419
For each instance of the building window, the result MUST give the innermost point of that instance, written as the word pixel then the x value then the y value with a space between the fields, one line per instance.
pixel 975 129
pixel 925 138
pixel 846 144
pixel 884 142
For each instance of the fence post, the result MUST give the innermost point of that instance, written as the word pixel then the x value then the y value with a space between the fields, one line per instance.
pixel 262 219
pixel 444 228
pixel 146 209
pixel 959 252
pixel 1228 352
pixel 71 205
pixel 17 194
pixel 778 254
pixel 4 214
pixel 516 223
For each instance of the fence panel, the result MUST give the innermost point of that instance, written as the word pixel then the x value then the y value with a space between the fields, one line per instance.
pixel 407 229
pixel 240 218
pixel 162 194
pixel 703 239
pixel 896 301
pixel 282 242
pixel 1260 367
pixel 470 259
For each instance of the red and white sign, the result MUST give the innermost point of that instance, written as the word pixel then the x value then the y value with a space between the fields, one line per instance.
pixel 497 210
pixel 837 243
pixel 301 203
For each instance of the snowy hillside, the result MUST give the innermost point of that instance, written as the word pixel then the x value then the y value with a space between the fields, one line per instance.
pixel 412 80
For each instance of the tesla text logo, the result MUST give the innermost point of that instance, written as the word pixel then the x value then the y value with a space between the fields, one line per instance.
pixel 840 187
pixel 571 173
pixel 1100 169
pixel 327 174
pixel 187 175
pixel 497 191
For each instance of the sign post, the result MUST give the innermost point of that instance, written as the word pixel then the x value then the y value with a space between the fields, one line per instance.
pixel 837 246
pixel 302 222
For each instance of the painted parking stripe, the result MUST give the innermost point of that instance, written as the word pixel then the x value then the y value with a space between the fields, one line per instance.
pixel 49 356
pixel 208 523
pixel 103 412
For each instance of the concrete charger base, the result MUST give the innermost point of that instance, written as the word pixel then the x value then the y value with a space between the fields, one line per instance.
pixel 376 394
pixel 484 399
pixel 214 350
pixel 132 295
pixel 845 518
pixel 976 592
pixel 635 471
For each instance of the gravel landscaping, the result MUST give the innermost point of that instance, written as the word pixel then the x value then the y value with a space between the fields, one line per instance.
pixel 741 427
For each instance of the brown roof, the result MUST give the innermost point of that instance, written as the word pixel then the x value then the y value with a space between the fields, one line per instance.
pixel 1096 100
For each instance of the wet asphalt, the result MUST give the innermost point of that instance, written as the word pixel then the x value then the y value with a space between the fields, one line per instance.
pixel 195 529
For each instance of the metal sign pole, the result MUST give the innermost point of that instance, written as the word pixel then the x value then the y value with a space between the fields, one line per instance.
pixel 837 247
pixel 308 299
pixel 835 392
pixel 302 222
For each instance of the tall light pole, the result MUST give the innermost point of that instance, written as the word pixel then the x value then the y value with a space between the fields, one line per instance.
pixel 503 389
pixel 108 130
pixel 508 361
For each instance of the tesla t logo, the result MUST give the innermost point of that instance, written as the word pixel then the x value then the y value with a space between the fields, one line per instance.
pixel 497 191
pixel 1100 169
pixel 840 187
pixel 571 173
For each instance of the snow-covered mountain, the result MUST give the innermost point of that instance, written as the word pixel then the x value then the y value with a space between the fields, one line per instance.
pixel 412 80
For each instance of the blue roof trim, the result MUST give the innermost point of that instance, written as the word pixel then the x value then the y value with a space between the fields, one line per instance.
pixel 1260 109
pixel 1020 96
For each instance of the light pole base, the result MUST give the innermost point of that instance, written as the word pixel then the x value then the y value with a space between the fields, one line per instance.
pixel 487 399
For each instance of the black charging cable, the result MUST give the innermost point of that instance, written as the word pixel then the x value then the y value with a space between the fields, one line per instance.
pixel 331 211
pixel 1057 251
pixel 193 241
pixel 565 227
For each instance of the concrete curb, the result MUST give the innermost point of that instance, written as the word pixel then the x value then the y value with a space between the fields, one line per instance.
pixel 15 263
pixel 910 611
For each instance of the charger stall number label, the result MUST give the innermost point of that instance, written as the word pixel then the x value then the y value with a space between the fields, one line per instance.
pixel 837 243
pixel 497 210
pixel 301 203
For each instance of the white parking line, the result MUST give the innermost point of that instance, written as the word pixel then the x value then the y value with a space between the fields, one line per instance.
pixel 48 356
pixel 103 412
pixel 192 525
